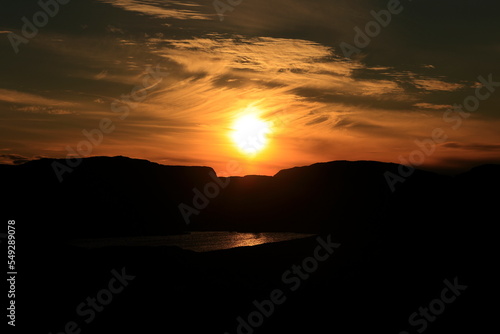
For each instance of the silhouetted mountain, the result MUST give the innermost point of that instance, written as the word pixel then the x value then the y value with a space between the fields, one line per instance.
pixel 322 197
pixel 101 197
pixel 119 196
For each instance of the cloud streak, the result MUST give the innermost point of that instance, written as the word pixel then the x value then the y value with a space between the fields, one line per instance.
pixel 161 9
pixel 14 96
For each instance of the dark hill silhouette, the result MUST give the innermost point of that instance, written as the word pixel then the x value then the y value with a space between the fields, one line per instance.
pixel 102 197
pixel 320 197
pixel 117 196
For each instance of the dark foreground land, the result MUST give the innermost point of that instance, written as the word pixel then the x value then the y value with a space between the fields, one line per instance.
pixel 425 253
pixel 362 287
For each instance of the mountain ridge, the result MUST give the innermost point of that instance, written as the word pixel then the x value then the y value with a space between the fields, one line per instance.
pixel 118 196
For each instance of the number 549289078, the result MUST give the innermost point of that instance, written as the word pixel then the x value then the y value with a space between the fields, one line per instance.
pixel 11 249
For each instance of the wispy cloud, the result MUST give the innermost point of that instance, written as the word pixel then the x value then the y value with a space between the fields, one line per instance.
pixel 472 146
pixel 432 106
pixel 13 159
pixel 161 9
pixel 287 62
pixel 44 110
pixel 432 84
pixel 14 96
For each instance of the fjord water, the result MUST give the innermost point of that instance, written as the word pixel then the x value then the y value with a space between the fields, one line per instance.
pixel 196 241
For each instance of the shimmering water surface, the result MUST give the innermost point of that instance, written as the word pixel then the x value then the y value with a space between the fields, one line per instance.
pixel 196 241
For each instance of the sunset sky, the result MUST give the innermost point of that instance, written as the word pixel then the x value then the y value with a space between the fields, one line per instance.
pixel 279 60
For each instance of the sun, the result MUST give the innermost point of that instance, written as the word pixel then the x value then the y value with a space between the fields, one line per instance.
pixel 249 133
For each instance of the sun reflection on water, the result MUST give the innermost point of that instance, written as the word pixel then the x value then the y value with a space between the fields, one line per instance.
pixel 249 239
pixel 196 241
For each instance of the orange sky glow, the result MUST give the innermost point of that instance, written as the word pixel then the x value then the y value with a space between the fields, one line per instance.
pixel 319 105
